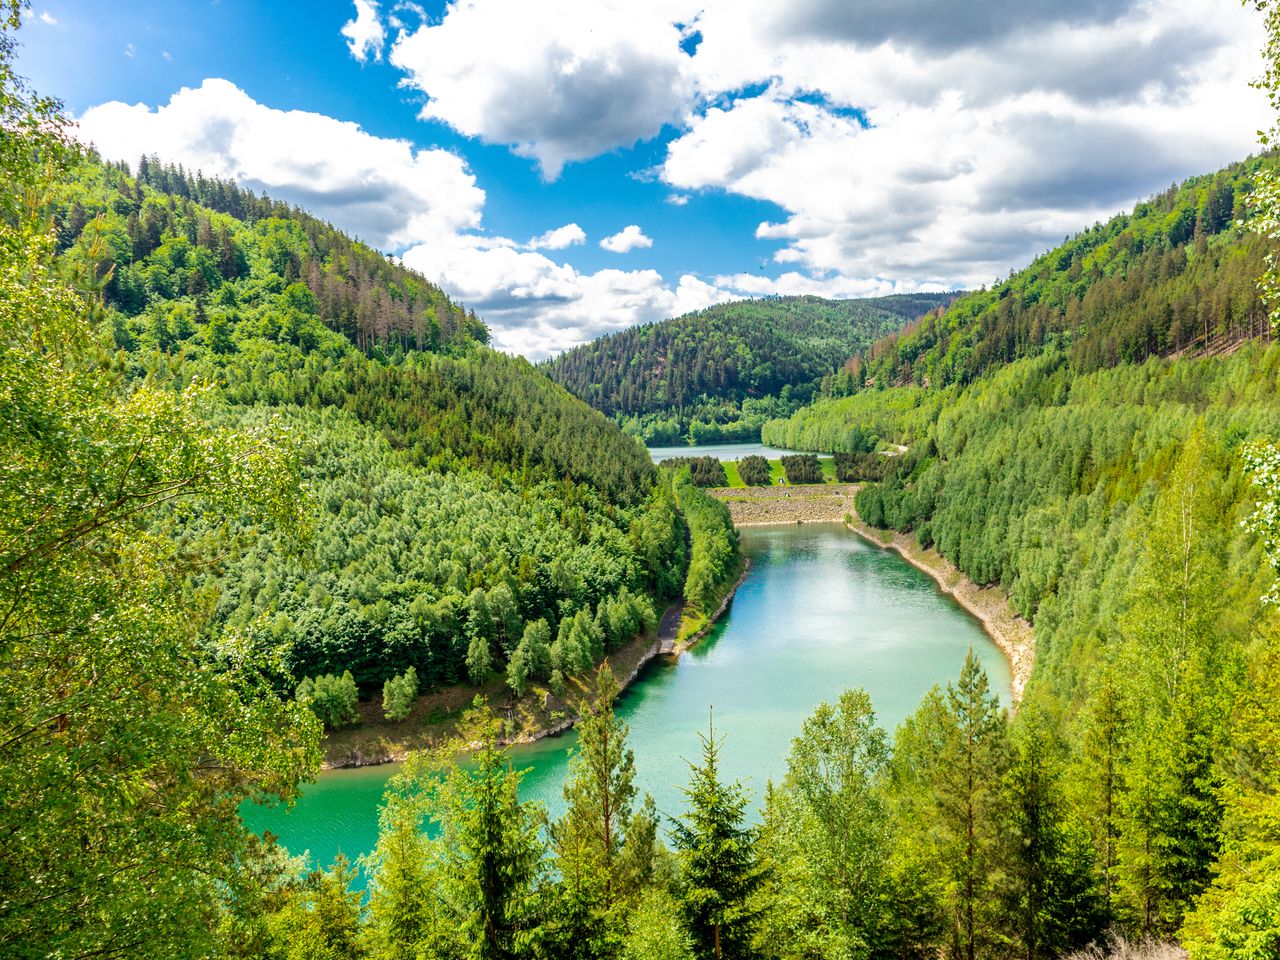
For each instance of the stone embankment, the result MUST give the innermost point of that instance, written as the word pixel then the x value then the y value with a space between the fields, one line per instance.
pixel 810 503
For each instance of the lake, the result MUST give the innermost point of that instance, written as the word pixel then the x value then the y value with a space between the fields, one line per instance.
pixel 820 611
pixel 721 451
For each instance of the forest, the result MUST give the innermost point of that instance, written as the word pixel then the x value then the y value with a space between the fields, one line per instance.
pixel 718 374
pixel 254 471
pixel 1114 497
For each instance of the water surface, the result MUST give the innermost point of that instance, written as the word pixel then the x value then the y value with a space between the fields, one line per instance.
pixel 820 611
pixel 721 451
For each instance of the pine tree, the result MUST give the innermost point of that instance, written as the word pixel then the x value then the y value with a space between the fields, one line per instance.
pixel 718 862
pixel 1056 902
pixel 490 849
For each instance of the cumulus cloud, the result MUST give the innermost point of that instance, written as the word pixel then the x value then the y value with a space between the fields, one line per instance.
pixel 365 35
pixel 905 141
pixel 629 238
pixel 559 238
pixel 384 191
pixel 538 307
pixel 934 25
pixel 558 81
pixel 908 160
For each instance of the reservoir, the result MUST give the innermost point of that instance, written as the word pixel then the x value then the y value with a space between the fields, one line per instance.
pixel 721 451
pixel 820 611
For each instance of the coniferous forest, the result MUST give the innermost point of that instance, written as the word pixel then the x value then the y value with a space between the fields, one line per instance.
pixel 719 374
pixel 260 481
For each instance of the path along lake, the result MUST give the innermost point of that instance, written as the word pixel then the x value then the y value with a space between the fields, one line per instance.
pixel 820 611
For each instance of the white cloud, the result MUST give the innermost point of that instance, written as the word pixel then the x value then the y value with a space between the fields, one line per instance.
pixel 629 238
pixel 559 81
pixel 567 236
pixel 950 163
pixel 365 34
pixel 48 18
pixel 384 191
pixel 538 307
pixel 130 50
pixel 906 141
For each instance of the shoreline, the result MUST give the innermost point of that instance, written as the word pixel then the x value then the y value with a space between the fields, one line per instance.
pixel 1012 634
pixel 702 631
pixel 646 656
pixel 830 503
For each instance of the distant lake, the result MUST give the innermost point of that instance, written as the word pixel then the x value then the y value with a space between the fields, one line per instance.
pixel 721 451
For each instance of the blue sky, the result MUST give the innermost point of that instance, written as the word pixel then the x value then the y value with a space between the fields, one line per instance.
pixel 731 148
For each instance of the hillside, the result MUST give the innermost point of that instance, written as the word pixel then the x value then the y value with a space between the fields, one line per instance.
pixel 719 373
pixel 458 494
pixel 1080 437
pixel 1175 275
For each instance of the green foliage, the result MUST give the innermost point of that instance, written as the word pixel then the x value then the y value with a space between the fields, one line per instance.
pixel 470 891
pixel 333 699
pixel 651 934
pixel 1178 273
pixel 399 694
pixel 320 920
pixel 857 467
pixel 130 739
pixel 438 468
pixel 603 845
pixel 950 760
pixel 802 468
pixel 826 838
pixel 706 471
pixel 719 870
pixel 754 471
pixel 718 374
pixel 713 561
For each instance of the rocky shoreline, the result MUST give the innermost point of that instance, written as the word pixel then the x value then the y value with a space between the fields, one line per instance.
pixel 654 649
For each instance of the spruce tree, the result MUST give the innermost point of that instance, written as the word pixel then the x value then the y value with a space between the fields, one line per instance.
pixel 948 769
pixel 601 843
pixel 718 861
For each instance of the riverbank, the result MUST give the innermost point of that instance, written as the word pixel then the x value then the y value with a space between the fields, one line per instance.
pixel 990 605
pixel 537 715
pixel 834 503
pixel 435 717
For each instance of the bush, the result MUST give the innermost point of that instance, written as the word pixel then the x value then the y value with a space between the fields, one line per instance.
pixel 802 468
pixel 399 695
pixel 335 700
pixel 754 471
pixel 706 471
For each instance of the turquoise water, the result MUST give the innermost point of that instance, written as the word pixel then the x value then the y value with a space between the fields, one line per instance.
pixel 721 451
pixel 820 611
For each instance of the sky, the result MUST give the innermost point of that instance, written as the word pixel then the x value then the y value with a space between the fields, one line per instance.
pixel 568 168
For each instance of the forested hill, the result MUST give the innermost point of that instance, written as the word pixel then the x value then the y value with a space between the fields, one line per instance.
pixel 1174 275
pixel 719 373
pixel 460 496
pixel 1095 437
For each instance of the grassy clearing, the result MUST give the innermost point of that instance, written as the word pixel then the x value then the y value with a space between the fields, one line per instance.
pixel 778 476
